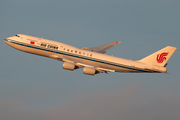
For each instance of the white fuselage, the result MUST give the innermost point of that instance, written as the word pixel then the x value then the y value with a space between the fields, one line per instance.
pixel 48 48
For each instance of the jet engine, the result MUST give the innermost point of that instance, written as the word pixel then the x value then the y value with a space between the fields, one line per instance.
pixel 69 66
pixel 90 71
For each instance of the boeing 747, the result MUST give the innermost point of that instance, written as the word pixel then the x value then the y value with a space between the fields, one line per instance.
pixel 92 60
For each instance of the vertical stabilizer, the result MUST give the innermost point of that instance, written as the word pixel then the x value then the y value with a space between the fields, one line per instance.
pixel 160 57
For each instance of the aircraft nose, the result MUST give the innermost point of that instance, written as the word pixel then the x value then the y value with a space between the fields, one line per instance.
pixel 7 39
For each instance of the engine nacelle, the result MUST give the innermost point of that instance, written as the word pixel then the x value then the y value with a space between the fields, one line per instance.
pixel 89 71
pixel 68 66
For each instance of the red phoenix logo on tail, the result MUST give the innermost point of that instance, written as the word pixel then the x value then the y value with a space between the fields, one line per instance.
pixel 161 57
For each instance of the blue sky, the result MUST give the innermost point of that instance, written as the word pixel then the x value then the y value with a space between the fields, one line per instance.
pixel 34 87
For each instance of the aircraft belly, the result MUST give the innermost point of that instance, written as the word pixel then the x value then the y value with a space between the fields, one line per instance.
pixel 28 49
pixel 112 67
pixel 48 52
pixel 102 65
pixel 33 49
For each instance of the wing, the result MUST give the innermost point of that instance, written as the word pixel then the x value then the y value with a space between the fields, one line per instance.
pixel 99 69
pixel 102 48
pixel 79 64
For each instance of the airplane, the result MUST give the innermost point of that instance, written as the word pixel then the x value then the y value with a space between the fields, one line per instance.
pixel 92 60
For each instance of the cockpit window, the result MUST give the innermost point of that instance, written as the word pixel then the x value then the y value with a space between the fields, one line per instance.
pixel 17 35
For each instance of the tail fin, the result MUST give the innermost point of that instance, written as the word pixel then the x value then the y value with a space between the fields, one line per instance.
pixel 160 57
